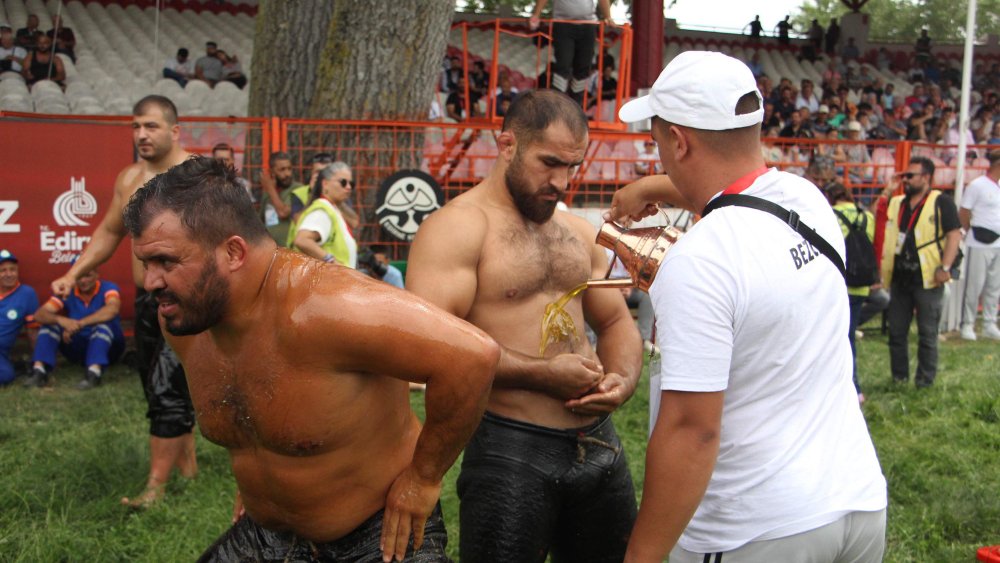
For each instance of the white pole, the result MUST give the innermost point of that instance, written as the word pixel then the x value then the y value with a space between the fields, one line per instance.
pixel 963 115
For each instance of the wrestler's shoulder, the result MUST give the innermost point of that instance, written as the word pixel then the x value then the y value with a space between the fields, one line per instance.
pixel 465 212
pixel 574 222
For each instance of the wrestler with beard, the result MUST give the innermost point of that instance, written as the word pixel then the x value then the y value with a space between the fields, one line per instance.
pixel 545 471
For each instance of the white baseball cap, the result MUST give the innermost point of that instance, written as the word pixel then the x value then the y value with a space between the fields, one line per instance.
pixel 699 89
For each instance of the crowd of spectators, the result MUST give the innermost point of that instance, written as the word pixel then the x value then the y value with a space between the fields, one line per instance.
pixel 214 67
pixel 32 52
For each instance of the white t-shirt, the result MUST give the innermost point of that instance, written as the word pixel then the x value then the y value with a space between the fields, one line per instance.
pixel 744 306
pixel 186 68
pixel 320 222
pixel 19 54
pixel 982 198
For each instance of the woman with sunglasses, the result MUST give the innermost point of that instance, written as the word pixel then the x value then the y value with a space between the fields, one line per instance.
pixel 322 232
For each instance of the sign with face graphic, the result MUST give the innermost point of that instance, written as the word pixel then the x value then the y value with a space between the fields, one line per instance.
pixel 404 200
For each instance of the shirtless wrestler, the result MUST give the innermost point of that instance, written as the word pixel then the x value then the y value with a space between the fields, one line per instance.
pixel 545 470
pixel 299 368
pixel 155 133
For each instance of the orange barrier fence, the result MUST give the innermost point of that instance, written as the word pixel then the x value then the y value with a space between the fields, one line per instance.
pixel 59 173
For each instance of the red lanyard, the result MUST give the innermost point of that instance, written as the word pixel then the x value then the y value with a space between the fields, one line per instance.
pixel 744 182
pixel 916 212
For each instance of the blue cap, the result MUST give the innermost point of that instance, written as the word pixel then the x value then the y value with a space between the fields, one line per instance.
pixel 7 256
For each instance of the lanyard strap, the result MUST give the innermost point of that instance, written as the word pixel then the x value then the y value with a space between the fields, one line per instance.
pixel 914 213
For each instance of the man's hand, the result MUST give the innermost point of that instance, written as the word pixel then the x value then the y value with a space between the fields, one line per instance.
pixel 63 286
pixel 572 375
pixel 609 394
pixel 941 275
pixel 70 327
pixel 407 506
pixel 533 22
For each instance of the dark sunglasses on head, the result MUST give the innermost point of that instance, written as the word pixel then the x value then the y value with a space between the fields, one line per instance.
pixel 344 183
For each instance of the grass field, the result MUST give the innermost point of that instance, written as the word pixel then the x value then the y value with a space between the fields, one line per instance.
pixel 67 457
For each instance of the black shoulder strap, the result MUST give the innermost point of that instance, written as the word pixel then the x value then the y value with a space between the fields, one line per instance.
pixel 791 218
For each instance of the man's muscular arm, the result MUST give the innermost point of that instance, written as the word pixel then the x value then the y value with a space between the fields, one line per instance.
pixel 443 268
pixel 619 345
pixel 456 361
pixel 641 198
pixel 107 236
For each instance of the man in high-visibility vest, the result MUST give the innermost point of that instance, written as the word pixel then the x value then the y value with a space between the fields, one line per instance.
pixel 920 247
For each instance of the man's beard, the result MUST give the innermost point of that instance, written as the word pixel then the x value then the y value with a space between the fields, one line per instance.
pixel 204 309
pixel 910 190
pixel 531 206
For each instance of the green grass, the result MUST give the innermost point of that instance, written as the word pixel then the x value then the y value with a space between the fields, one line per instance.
pixel 67 457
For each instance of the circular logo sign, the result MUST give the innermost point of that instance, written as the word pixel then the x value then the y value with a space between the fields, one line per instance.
pixel 404 200
pixel 12 314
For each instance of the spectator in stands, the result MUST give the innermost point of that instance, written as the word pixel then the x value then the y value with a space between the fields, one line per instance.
pixel 922 49
pixel 225 153
pixel 27 36
pixel 179 68
pixel 11 56
pixel 854 154
pixel 323 233
pixel 454 73
pixel 84 326
pixel 232 70
pixel 392 274
pixel 785 105
pixel 995 135
pixel 771 119
pixel 882 60
pixel 821 117
pixel 609 85
pixel 833 74
pixel 807 96
pixel 573 44
pixel 980 216
pixel 888 98
pixel 278 186
pixel 505 93
pixel 832 36
pixel 455 103
pixel 18 303
pixel 795 128
pixel 920 124
pixel 784 28
pixel 479 79
pixel 889 129
pixel 775 93
pixel 918 251
pixel 815 39
pixel 319 161
pixel 209 67
pixel 64 38
pixel 850 51
pixel 42 64
pixel 648 160
pixel 772 153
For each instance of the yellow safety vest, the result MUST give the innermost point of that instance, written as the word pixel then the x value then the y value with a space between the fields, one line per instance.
pixel 337 243
pixel 925 231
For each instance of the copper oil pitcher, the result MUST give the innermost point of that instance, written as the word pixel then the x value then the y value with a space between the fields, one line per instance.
pixel 641 251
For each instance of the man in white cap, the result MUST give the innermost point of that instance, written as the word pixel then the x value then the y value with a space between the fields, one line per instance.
pixel 760 452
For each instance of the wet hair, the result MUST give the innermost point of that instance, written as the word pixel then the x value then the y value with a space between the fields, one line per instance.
pixel 166 106
pixel 926 165
pixel 276 156
pixel 325 173
pixel 532 112
pixel 207 197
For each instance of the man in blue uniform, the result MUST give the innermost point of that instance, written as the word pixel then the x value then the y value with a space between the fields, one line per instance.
pixel 17 308
pixel 84 326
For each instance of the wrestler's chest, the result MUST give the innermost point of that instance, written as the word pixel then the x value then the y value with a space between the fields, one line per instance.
pixel 514 266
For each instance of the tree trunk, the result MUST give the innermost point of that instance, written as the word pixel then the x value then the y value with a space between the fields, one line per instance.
pixel 378 60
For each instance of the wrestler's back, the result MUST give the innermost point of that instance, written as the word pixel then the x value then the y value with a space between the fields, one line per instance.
pixel 314 449
pixel 522 269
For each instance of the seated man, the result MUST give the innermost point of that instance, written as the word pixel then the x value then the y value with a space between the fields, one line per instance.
pixel 179 68
pixel 17 308
pixel 11 56
pixel 330 461
pixel 85 327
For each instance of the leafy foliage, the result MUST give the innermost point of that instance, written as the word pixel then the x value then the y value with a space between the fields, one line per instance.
pixel 902 20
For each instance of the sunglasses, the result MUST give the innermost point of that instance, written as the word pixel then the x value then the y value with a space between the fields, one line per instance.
pixel 344 183
pixel 909 175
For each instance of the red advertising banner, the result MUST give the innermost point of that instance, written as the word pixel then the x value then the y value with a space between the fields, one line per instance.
pixel 56 182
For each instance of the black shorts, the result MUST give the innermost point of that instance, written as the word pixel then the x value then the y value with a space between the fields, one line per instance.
pixel 526 490
pixel 249 541
pixel 169 404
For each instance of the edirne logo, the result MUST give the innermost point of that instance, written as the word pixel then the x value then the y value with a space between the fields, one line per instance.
pixel 73 204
